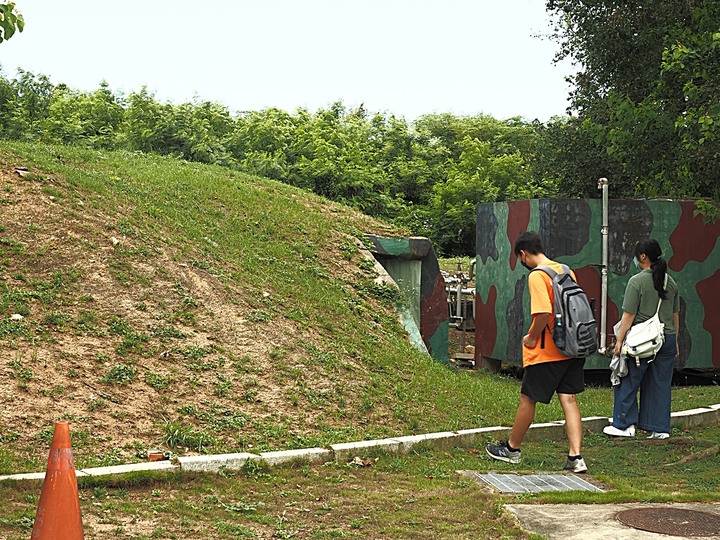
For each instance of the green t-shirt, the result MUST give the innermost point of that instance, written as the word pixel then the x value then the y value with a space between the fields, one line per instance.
pixel 641 298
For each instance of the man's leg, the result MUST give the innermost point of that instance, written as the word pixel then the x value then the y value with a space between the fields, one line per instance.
pixel 573 422
pixel 523 418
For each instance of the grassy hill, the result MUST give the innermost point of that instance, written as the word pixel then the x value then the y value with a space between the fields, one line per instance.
pixel 169 304
pixel 153 302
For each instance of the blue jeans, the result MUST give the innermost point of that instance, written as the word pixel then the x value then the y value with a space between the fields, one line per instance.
pixel 654 380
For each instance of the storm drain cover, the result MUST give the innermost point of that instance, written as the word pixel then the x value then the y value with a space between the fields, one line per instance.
pixel 532 483
pixel 673 521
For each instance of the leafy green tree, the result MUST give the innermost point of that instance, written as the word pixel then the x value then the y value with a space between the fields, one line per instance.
pixel 11 20
pixel 646 88
pixel 196 132
pixel 478 175
pixel 27 106
pixel 262 142
pixel 79 117
pixel 568 154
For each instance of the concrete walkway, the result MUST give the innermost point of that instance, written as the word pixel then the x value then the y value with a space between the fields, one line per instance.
pixel 595 521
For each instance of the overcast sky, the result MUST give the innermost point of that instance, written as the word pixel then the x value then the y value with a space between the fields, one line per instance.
pixel 406 57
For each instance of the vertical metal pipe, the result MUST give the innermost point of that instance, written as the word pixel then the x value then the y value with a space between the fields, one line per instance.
pixel 603 184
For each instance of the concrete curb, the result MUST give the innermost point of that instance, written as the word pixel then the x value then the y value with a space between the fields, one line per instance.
pixel 345 452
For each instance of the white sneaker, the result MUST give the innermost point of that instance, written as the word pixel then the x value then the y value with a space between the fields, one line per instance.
pixel 659 435
pixel 615 432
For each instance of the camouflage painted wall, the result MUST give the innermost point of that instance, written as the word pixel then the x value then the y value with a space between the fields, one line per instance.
pixel 434 320
pixel 571 233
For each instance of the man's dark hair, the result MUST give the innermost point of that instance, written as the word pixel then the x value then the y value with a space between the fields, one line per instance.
pixel 530 242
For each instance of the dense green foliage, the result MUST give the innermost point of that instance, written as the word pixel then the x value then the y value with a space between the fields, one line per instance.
pixel 644 108
pixel 427 176
pixel 646 90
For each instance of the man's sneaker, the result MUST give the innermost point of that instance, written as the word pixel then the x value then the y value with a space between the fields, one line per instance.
pixel 615 432
pixel 659 435
pixel 575 465
pixel 502 453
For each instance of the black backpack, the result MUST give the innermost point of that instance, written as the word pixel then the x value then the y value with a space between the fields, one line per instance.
pixel 578 319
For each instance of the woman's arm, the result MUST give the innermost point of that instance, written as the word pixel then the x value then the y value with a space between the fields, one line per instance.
pixel 625 324
pixel 676 319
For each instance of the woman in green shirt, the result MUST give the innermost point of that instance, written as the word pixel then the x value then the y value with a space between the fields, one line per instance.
pixel 651 376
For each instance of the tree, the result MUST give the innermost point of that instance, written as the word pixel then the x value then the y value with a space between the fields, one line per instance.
pixel 10 21
pixel 80 117
pixel 646 88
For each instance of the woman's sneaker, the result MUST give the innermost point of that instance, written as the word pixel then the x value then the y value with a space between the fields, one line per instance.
pixel 659 435
pixel 575 465
pixel 615 432
pixel 501 452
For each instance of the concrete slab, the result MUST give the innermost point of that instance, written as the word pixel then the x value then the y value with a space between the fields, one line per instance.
pixel 101 471
pixel 311 455
pixel 25 476
pixel 215 463
pixel 132 467
pixel 690 412
pixel 695 417
pixel 346 451
pixel 483 430
pixel 439 440
pixel 593 521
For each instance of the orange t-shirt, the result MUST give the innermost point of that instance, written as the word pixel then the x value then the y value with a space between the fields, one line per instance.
pixel 541 301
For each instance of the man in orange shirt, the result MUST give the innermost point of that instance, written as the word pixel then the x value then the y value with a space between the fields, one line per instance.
pixel 547 370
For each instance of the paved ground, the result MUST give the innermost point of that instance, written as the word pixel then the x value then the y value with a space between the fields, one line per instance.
pixel 595 521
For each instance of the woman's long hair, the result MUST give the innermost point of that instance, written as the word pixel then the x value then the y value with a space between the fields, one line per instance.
pixel 658 265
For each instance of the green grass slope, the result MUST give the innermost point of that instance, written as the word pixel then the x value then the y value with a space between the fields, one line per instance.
pixel 156 303
pixel 169 304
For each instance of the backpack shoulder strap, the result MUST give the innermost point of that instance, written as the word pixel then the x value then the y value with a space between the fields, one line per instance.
pixel 549 271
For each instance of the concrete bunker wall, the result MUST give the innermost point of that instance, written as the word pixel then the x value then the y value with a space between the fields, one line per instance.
pixel 412 263
pixel 571 233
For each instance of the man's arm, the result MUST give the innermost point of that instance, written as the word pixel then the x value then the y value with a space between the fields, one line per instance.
pixel 540 322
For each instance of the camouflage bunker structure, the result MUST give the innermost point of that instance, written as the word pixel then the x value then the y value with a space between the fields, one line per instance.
pixel 572 233
pixel 413 266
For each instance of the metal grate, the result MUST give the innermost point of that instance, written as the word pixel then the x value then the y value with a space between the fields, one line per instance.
pixel 533 483
pixel 672 521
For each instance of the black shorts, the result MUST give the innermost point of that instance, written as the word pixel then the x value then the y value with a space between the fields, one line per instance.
pixel 541 381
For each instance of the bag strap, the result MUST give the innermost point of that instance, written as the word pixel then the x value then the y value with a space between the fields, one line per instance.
pixel 660 301
pixel 552 273
pixel 549 271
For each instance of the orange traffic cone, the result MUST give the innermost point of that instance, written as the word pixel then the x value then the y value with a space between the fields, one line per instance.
pixel 58 512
